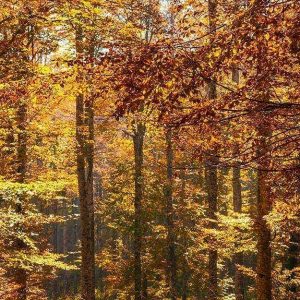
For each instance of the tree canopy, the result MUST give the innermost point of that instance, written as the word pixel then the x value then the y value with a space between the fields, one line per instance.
pixel 150 149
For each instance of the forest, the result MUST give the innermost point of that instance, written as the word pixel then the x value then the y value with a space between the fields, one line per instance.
pixel 149 149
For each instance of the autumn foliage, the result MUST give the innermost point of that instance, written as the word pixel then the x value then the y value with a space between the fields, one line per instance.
pixel 149 149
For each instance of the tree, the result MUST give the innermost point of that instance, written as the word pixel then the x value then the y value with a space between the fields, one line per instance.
pixel 138 140
pixel 212 177
pixel 237 207
pixel 85 156
pixel 171 238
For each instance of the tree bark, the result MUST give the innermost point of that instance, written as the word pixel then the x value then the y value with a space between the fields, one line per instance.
pixel 293 252
pixel 185 269
pixel 263 267
pixel 264 206
pixel 85 155
pixel 211 176
pixel 212 192
pixel 171 238
pixel 20 273
pixel 138 141
pixel 264 201
pixel 292 262
pixel 238 258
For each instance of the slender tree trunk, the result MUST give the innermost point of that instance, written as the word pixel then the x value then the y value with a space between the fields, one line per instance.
pixel 264 201
pixel 171 238
pixel 185 269
pixel 237 207
pixel 138 141
pixel 292 262
pixel 211 176
pixel 264 206
pixel 145 286
pixel 20 273
pixel 211 179
pixel 293 252
pixel 238 257
pixel 263 268
pixel 85 154
pixel 185 286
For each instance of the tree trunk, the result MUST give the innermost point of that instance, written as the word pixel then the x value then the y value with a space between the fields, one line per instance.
pixel 85 155
pixel 264 201
pixel 263 268
pixel 145 286
pixel 20 273
pixel 211 176
pixel 212 192
pixel 238 257
pixel 237 207
pixel 185 269
pixel 171 238
pixel 138 141
pixel 292 262
pixel 264 206
pixel 293 252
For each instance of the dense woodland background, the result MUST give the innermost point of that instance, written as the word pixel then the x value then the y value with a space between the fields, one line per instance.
pixel 149 149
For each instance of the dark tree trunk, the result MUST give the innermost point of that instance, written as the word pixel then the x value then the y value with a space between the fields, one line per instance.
pixel 138 140
pixel 292 262
pixel 211 178
pixel 85 154
pixel 185 268
pixel 171 238
pixel 187 225
pixel 185 286
pixel 145 286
